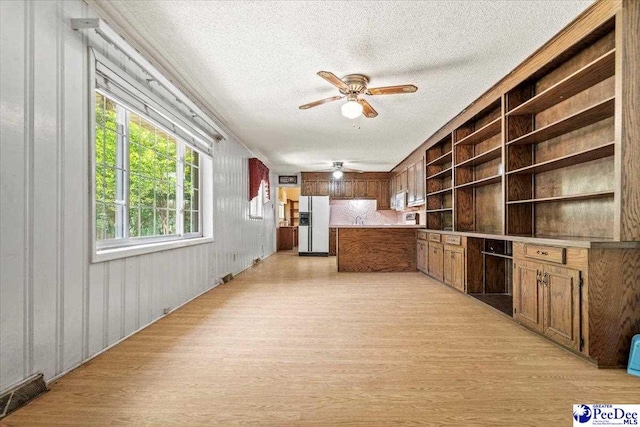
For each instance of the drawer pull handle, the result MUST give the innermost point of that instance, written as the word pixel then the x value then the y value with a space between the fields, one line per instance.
pixel 542 252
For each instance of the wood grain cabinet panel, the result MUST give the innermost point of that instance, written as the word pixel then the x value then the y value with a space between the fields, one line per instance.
pixel 561 312
pixel 373 189
pixel 436 261
pixel 527 294
pixel 383 196
pixel 453 267
pixel 347 189
pixel 411 185
pixel 360 188
pixel 308 188
pixel 421 256
pixel 322 188
pixel 547 299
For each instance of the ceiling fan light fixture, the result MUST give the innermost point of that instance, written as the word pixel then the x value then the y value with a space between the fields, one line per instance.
pixel 338 174
pixel 352 109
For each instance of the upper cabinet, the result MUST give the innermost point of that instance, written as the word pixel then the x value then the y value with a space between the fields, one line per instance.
pixel 411 181
pixel 366 185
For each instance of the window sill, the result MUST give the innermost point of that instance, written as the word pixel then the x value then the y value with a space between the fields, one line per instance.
pixel 117 253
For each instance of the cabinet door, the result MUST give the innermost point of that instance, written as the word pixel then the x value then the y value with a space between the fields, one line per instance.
pixel 322 188
pixel 453 267
pixel 411 185
pixel 336 189
pixel 383 196
pixel 420 181
pixel 421 254
pixel 392 192
pixel 402 181
pixel 527 294
pixel 361 189
pixel 347 188
pixel 373 189
pixel 436 259
pixel 308 188
pixel 561 308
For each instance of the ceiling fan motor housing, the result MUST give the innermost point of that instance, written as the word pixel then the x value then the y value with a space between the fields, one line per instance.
pixel 357 84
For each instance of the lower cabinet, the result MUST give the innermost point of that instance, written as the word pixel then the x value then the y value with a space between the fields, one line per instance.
pixel 547 298
pixel 436 261
pixel 453 267
pixel 421 255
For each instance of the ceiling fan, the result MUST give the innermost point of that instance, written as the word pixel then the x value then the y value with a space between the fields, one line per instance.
pixel 352 86
pixel 337 170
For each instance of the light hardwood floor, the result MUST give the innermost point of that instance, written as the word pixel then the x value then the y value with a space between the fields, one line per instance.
pixel 292 342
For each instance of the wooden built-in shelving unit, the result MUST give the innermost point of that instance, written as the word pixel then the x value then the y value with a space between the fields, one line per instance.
pixel 439 185
pixel 533 191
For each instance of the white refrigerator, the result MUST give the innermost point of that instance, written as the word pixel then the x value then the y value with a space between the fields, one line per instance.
pixel 313 226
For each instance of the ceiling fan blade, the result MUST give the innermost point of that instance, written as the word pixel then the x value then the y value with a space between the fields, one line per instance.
pixel 333 79
pixel 322 101
pixel 367 109
pixel 392 90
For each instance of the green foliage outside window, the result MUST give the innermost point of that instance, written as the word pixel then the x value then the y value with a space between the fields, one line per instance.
pixel 151 177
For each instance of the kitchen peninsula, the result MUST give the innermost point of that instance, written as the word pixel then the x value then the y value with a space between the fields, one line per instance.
pixel 376 248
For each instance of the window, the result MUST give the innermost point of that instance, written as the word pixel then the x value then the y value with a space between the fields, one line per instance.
pixel 256 207
pixel 147 181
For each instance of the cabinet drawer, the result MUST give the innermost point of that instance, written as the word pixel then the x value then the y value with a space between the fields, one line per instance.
pixel 545 253
pixel 422 235
pixel 452 240
pixel 434 237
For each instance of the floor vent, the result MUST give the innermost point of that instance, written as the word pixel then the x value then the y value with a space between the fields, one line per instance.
pixel 227 278
pixel 18 396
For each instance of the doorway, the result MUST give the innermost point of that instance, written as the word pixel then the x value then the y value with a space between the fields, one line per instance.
pixel 288 216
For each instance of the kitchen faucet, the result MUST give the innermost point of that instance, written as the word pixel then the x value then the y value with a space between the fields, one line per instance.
pixel 359 221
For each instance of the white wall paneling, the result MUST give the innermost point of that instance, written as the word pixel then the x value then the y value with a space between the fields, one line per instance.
pixel 57 309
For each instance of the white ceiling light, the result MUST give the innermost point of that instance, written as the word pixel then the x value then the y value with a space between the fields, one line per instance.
pixel 337 174
pixel 352 109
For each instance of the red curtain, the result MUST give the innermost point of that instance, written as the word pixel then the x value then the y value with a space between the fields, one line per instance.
pixel 258 172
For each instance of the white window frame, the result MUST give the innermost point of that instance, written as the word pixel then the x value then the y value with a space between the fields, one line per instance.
pixel 256 205
pixel 130 246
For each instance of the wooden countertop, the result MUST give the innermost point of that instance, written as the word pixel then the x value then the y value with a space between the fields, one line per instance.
pixel 379 226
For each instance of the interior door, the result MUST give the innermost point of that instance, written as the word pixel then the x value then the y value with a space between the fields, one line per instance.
pixel 562 305
pixel 527 294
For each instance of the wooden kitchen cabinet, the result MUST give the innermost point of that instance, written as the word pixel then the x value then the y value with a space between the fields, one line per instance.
pixel 436 261
pixel 411 185
pixel 308 188
pixel 322 187
pixel 373 189
pixel 360 189
pixel 547 298
pixel 383 195
pixel 421 255
pixel 453 267
pixel 420 182
pixel 402 181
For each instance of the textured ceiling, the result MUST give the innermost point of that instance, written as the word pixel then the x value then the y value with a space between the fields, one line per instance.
pixel 253 63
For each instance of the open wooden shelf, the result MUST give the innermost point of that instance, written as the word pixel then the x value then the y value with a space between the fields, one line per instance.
pixel 435 193
pixel 581 119
pixel 594 72
pixel 488 155
pixel 442 174
pixel 570 197
pixel 438 210
pixel 482 134
pixel 481 182
pixel 445 158
pixel 598 152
